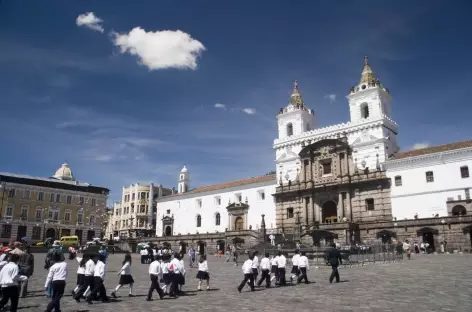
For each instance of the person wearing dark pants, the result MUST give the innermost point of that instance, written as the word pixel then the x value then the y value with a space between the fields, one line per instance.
pixel 265 270
pixel 57 277
pixel 154 272
pixel 281 264
pixel 334 259
pixel 248 274
pixel 98 278
pixel 303 266
pixel 255 265
pixel 9 278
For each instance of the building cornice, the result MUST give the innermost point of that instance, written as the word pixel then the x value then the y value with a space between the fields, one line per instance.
pixel 429 159
pixel 331 132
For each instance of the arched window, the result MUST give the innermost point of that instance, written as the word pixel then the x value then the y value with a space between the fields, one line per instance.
pixel 199 220
pixel 289 129
pixel 308 127
pixel 364 110
pixel 217 219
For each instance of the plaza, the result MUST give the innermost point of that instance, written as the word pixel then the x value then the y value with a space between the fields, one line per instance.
pixel 425 283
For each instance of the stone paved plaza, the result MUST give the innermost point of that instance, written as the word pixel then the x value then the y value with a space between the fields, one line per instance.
pixel 425 283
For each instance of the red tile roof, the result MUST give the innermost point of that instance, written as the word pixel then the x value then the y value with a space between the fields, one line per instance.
pixel 225 185
pixel 433 149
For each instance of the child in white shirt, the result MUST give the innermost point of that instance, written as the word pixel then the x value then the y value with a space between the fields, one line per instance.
pixel 248 274
pixel 203 272
pixel 125 276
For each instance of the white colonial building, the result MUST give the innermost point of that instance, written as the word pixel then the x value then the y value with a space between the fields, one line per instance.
pixel 232 206
pixel 431 181
pixel 371 132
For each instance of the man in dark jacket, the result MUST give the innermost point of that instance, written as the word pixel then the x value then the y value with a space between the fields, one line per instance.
pixel 334 259
pixel 26 265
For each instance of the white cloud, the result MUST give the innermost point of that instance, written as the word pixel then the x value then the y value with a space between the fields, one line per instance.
pixel 420 145
pixel 249 111
pixel 161 49
pixel 331 97
pixel 91 21
pixel 219 105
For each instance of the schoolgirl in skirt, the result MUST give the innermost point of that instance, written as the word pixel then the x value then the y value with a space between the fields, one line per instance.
pixel 203 274
pixel 80 273
pixel 182 268
pixel 166 275
pixel 125 276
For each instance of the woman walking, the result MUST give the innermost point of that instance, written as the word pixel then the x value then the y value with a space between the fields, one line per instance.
pixel 126 278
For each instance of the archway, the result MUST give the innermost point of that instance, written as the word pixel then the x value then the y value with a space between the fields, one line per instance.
pixel 239 224
pixel 329 212
pixel 168 231
pixel 51 233
pixel 459 210
pixel 324 236
pixel 221 245
pixel 386 236
pixel 201 247
pixel 428 237
pixel 183 247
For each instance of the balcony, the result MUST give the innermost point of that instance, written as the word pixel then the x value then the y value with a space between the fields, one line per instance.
pixel 142 201
pixel 141 214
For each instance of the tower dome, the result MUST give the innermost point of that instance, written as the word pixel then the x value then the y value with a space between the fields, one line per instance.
pixel 184 169
pixel 64 173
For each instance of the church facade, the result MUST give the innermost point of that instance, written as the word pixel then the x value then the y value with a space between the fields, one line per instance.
pixel 336 183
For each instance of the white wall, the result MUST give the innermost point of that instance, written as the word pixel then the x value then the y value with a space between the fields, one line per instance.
pixel 415 195
pixel 185 209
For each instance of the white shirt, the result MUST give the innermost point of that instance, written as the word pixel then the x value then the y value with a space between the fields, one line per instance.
pixel 303 262
pixel 9 275
pixel 274 260
pixel 155 268
pixel 265 264
pixel 165 267
pixel 281 262
pixel 154 252
pixel 89 268
pixel 80 270
pixel 143 252
pixel 295 259
pixel 159 252
pixel 57 272
pixel 176 264
pixel 126 269
pixel 3 256
pixel 203 266
pixel 255 262
pixel 182 267
pixel 99 270
pixel 247 267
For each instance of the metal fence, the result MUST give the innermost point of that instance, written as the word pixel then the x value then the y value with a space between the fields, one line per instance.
pixel 351 255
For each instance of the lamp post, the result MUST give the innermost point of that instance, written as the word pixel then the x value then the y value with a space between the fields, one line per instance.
pixel 45 221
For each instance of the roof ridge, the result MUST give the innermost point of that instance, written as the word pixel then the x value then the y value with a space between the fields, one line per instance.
pixel 433 149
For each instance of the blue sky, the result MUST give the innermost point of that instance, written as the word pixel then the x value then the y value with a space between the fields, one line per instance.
pixel 123 106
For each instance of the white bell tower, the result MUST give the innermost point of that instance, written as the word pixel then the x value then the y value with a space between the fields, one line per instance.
pixel 183 184
pixel 294 120
pixel 296 117
pixel 369 100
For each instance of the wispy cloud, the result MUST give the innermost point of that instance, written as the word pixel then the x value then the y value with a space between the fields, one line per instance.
pixel 160 49
pixel 249 111
pixel 91 21
pixel 220 106
pixel 420 145
pixel 330 97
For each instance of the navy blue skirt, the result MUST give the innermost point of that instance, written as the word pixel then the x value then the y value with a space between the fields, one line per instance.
pixel 201 275
pixel 126 280
pixel 295 269
pixel 274 269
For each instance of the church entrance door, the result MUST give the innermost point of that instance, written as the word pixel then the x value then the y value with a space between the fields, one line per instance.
pixel 239 224
pixel 168 231
pixel 329 212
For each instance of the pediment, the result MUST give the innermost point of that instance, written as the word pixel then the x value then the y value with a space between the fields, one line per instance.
pixel 237 206
pixel 287 156
pixel 364 138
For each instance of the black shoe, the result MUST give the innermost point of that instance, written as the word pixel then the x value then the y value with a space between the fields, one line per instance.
pixel 239 290
pixel 113 294
pixel 149 299
pixel 131 295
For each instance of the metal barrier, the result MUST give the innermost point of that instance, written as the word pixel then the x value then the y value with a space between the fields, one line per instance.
pixel 351 256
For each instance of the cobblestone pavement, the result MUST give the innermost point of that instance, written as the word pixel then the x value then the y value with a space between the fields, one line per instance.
pixel 425 283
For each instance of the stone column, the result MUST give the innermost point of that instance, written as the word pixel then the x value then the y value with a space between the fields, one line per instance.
pixel 245 222
pixel 340 206
pixel 349 207
pixel 318 213
pixel 346 163
pixel 229 221
pixel 338 167
pixel 302 176
pixel 313 214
